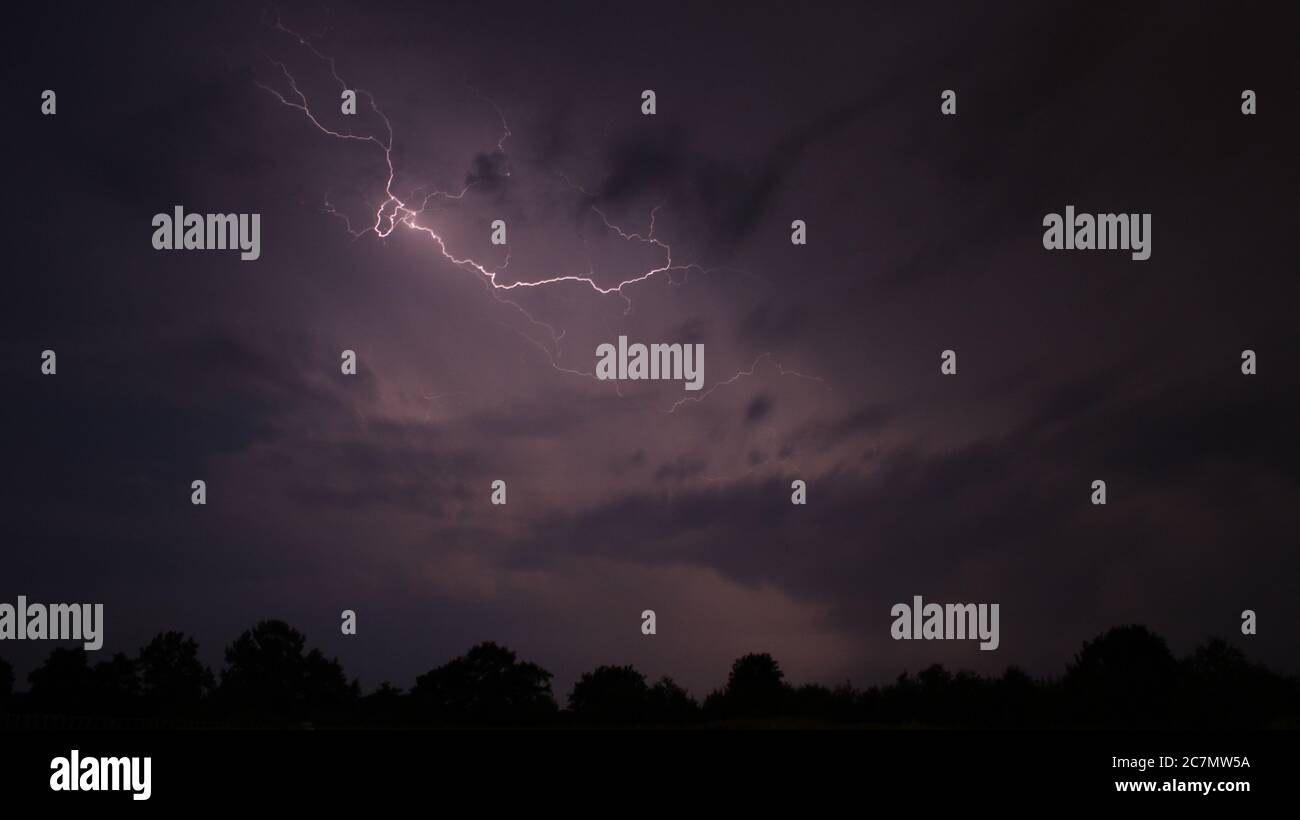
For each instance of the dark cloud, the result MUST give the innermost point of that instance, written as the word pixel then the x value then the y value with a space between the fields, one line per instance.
pixel 680 470
pixel 759 407
pixel 489 173
pixel 371 491
pixel 772 323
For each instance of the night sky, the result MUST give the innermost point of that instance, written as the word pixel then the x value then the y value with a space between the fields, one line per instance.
pixel 371 492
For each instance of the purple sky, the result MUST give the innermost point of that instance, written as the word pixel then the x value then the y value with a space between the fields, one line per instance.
pixel 328 492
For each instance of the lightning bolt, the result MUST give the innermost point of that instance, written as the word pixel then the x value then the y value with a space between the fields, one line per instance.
pixel 783 371
pixel 407 211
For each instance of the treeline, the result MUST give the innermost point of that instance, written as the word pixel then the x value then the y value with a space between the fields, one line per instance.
pixel 1126 677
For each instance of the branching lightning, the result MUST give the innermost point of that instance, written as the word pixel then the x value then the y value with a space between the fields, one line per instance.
pixel 406 211
pixel 783 371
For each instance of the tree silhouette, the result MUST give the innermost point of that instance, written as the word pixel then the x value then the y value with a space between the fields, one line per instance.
pixel 63 683
pixel 669 703
pixel 1125 677
pixel 269 677
pixel 116 686
pixel 6 680
pixel 485 685
pixel 384 706
pixel 935 684
pixel 756 687
pixel 611 694
pixel 172 680
pixel 1222 688
pixel 821 703
pixel 1017 700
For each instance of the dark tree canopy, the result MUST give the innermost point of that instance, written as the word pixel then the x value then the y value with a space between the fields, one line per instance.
pixel 6 679
pixel 116 685
pixel 1124 677
pixel 385 706
pixel 172 680
pixel 486 684
pixel 1127 676
pixel 670 703
pixel 64 680
pixel 756 687
pixel 611 694
pixel 1226 689
pixel 269 676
